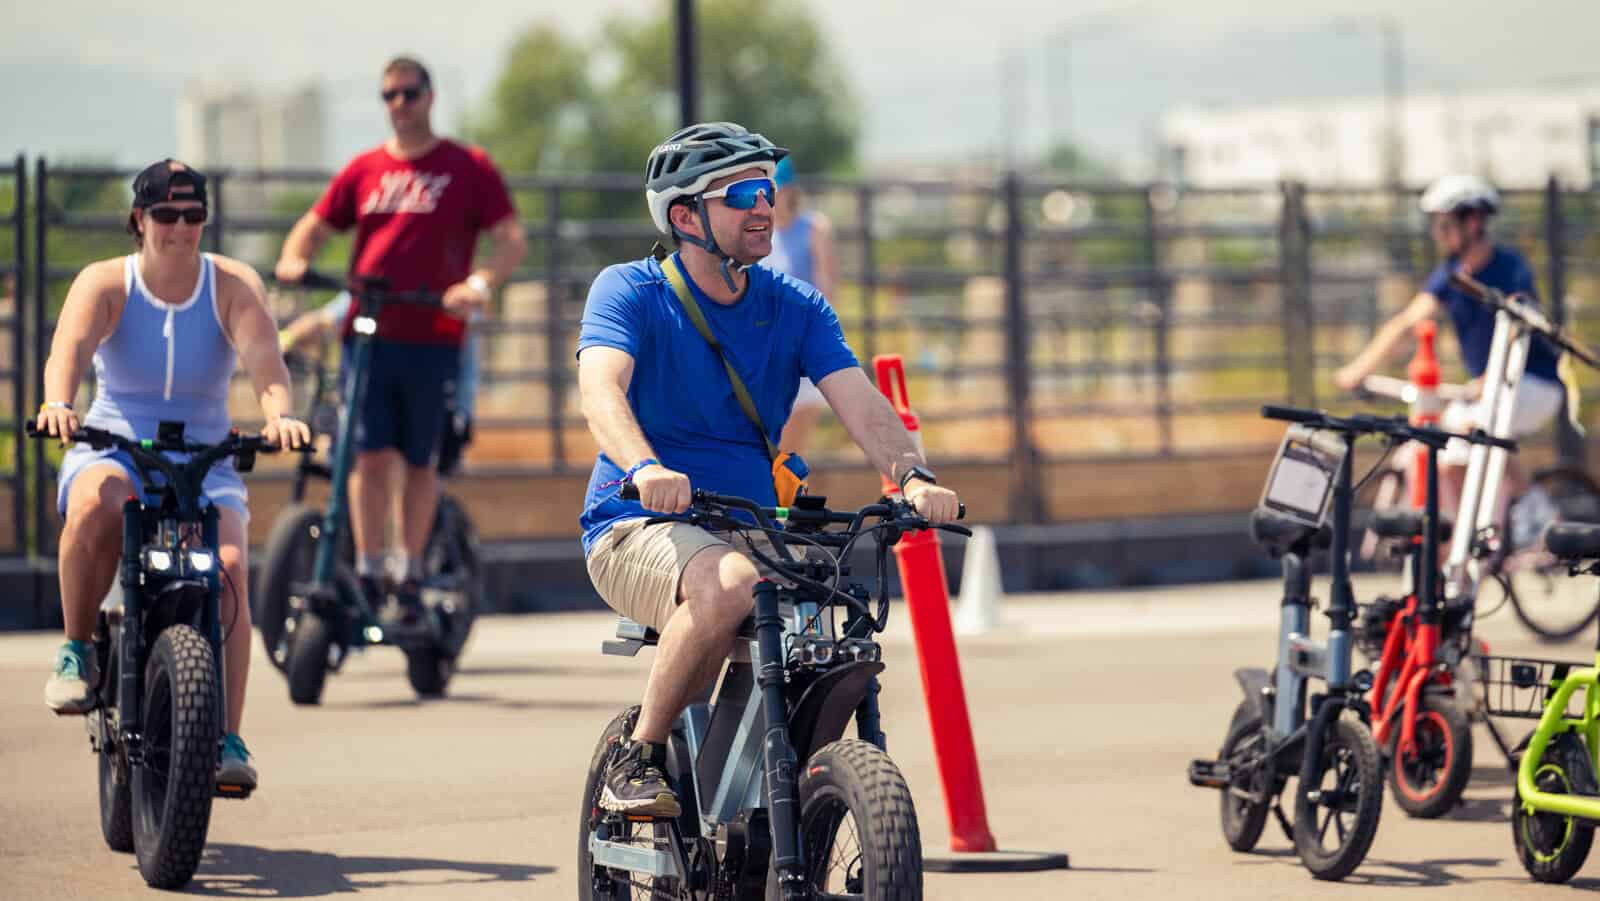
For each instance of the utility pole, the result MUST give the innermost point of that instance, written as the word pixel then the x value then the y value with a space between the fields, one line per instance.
pixel 688 85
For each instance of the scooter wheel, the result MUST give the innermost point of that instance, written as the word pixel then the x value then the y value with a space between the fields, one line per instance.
pixel 307 667
pixel 1553 847
pixel 1336 815
pixel 1428 781
pixel 1243 819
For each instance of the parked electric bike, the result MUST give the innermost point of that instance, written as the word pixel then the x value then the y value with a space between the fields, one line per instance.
pixel 1424 734
pixel 313 613
pixel 1557 800
pixel 1339 793
pixel 160 709
pixel 775 802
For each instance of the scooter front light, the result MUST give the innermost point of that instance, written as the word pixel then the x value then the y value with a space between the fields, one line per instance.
pixel 202 561
pixel 157 560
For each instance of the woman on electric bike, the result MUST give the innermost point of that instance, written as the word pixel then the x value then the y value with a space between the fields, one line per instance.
pixel 164 327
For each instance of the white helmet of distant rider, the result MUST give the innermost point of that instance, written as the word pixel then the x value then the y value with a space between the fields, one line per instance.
pixel 1459 208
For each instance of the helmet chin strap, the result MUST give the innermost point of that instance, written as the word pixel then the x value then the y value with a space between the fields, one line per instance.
pixel 709 245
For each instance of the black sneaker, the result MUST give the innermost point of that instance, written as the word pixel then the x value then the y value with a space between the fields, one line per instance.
pixel 635 784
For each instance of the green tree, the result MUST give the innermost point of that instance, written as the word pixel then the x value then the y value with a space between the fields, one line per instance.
pixel 564 106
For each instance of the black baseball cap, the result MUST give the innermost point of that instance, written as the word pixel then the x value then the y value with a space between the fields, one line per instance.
pixel 168 180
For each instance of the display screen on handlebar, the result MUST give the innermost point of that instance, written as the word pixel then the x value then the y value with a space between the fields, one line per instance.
pixel 1300 483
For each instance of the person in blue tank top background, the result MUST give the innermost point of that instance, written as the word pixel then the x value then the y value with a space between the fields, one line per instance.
pixel 163 329
pixel 802 246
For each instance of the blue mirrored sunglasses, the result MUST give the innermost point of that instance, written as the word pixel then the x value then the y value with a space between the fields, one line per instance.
pixel 742 195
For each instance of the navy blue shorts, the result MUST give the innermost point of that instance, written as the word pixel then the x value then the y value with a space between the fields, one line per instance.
pixel 409 388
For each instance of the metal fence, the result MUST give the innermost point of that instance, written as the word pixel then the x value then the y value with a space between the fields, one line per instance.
pixel 1041 321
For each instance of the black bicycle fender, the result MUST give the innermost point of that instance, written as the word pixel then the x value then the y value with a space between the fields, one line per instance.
pixel 827 705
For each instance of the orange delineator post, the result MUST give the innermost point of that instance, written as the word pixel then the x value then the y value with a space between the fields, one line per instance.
pixel 923 580
pixel 1424 374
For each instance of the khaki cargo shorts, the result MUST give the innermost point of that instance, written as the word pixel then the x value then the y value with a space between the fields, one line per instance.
pixel 636 565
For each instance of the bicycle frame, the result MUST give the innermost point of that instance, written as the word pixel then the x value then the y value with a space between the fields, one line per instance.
pixel 790 686
pixel 1408 659
pixel 1480 491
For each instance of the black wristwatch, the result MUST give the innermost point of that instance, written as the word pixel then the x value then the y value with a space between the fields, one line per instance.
pixel 917 472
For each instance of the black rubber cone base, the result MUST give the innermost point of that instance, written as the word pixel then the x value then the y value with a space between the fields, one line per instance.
pixel 994 862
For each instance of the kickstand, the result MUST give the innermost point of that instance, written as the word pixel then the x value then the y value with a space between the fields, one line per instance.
pixel 1277 811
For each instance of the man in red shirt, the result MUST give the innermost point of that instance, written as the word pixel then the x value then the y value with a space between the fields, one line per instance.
pixel 418 204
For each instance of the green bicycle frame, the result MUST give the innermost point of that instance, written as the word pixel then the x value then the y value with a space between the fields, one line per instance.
pixel 1553 723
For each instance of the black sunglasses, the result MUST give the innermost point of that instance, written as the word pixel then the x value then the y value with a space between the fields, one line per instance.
pixel 411 93
pixel 167 215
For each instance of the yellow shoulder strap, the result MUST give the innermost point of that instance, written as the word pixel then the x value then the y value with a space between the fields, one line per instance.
pixel 680 287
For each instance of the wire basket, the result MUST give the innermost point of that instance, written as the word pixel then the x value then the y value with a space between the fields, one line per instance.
pixel 1520 686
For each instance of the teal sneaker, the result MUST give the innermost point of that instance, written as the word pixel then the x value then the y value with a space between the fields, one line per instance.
pixel 70 691
pixel 235 775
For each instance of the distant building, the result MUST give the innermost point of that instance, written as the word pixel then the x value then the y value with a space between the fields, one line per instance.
pixel 226 126
pixel 1518 139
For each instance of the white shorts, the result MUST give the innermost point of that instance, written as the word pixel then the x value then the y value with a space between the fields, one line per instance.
pixel 1537 402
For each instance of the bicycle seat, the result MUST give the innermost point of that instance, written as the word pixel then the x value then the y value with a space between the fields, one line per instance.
pixel 1277 532
pixel 1404 522
pixel 1573 540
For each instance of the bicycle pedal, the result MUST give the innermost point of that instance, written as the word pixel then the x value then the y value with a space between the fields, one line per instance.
pixel 235 792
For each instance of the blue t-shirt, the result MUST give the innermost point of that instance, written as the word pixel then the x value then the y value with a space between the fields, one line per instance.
pixel 1474 322
pixel 780 330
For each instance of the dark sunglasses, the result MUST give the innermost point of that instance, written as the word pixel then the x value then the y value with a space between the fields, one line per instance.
pixel 411 93
pixel 742 195
pixel 167 215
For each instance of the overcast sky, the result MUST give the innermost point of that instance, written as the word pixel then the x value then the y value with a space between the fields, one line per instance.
pixel 83 81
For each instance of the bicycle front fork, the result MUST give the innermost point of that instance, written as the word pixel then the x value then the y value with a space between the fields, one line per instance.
pixel 783 795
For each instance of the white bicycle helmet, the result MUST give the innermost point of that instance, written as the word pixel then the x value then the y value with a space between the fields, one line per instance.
pixel 1460 194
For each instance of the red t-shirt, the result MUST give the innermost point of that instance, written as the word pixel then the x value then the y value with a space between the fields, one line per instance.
pixel 417 224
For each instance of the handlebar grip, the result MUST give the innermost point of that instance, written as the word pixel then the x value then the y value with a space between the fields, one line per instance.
pixel 629 492
pixel 1469 285
pixel 1479 436
pixel 1289 414
pixel 311 279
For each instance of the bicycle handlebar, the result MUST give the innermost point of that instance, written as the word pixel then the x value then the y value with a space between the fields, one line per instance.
pixel 1405 392
pixel 149 452
pixel 368 289
pixel 1396 426
pixel 1530 316
pixel 898 510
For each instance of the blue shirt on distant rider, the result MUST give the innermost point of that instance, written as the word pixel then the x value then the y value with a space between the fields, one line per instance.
pixel 1474 322
pixel 780 330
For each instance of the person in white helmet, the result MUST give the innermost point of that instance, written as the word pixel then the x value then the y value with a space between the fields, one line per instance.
pixel 1460 209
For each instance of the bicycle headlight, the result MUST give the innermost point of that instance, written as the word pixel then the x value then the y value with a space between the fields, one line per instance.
pixel 157 560
pixel 202 561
